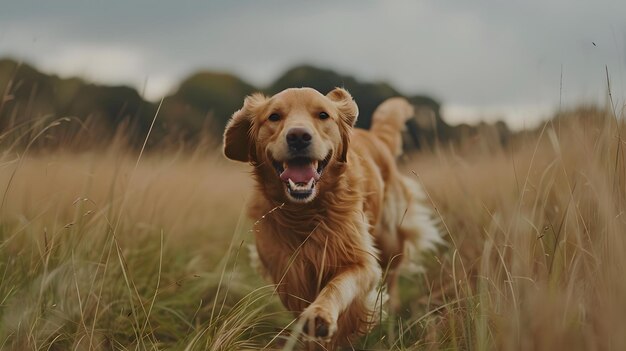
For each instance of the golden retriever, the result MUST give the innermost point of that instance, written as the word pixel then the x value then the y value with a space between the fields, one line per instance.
pixel 335 215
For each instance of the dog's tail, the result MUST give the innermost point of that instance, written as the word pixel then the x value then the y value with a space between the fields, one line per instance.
pixel 388 122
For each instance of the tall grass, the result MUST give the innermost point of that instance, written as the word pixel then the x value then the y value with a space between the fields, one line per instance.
pixel 79 271
pixel 535 256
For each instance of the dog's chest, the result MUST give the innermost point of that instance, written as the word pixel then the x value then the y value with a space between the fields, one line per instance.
pixel 300 272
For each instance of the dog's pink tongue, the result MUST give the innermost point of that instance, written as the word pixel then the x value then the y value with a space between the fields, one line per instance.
pixel 299 173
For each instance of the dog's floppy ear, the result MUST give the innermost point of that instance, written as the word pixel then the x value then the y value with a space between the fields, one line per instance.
pixel 238 143
pixel 347 107
pixel 349 112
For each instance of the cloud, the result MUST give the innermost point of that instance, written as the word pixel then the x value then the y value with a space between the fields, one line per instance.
pixel 477 55
pixel 114 63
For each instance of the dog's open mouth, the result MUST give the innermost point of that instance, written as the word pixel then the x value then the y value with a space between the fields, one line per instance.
pixel 300 175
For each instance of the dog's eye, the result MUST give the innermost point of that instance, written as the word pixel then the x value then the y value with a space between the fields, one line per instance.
pixel 323 115
pixel 274 117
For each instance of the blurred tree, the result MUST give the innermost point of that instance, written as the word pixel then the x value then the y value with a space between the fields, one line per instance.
pixel 201 105
pixel 29 96
pixel 204 100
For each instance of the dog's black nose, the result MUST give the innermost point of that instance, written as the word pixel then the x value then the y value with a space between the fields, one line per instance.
pixel 298 138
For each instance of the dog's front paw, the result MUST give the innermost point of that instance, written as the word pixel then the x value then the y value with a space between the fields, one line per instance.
pixel 319 322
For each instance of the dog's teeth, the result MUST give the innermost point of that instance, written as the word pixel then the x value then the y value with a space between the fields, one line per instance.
pixel 292 184
pixel 309 185
pixel 315 163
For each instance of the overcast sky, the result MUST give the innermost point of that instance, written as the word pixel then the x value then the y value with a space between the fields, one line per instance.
pixel 480 58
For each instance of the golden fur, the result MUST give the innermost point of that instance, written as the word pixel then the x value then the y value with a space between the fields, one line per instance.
pixel 328 253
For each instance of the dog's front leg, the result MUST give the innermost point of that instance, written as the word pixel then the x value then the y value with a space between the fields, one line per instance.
pixel 354 282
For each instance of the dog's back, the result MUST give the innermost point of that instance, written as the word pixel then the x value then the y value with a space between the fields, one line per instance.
pixel 402 224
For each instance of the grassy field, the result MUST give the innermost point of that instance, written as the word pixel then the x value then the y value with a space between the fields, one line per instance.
pixel 105 250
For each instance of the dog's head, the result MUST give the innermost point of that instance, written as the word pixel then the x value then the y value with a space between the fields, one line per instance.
pixel 292 137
